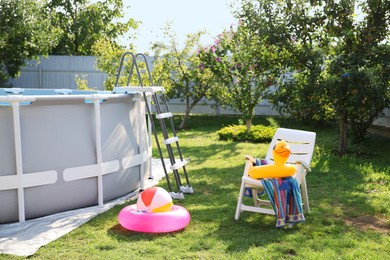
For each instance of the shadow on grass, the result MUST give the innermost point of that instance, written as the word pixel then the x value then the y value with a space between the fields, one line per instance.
pixel 339 188
pixel 122 234
pixel 336 191
pixel 212 208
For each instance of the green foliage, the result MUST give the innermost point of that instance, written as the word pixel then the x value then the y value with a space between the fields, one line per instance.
pixel 108 59
pixel 301 96
pixel 233 132
pixel 82 82
pixel 83 23
pixel 257 133
pixel 340 59
pixel 245 64
pixel 25 33
pixel 65 27
pixel 361 96
pixel 181 73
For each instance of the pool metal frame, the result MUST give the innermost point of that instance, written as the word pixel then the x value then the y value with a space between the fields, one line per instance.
pixel 20 181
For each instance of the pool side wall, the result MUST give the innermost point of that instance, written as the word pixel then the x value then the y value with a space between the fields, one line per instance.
pixel 58 142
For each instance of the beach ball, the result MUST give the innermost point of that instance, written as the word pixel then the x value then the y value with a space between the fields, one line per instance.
pixel 154 199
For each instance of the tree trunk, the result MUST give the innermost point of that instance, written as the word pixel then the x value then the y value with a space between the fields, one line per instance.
pixel 187 112
pixel 185 118
pixel 248 124
pixel 343 124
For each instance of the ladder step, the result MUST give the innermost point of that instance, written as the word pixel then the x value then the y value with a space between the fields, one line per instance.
pixel 171 140
pixel 163 115
pixel 178 165
pixel 177 195
pixel 186 189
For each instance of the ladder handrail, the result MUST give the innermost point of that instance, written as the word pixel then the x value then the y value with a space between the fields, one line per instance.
pixel 147 67
pixel 133 64
pixel 120 67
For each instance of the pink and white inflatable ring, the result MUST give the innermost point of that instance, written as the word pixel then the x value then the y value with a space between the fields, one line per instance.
pixel 154 222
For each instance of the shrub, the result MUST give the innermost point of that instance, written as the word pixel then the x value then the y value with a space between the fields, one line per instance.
pixel 261 133
pixel 238 133
pixel 231 132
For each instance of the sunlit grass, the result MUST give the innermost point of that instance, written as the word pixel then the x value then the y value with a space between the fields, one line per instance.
pixel 349 199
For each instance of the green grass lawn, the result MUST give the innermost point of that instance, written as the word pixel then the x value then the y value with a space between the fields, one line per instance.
pixel 349 199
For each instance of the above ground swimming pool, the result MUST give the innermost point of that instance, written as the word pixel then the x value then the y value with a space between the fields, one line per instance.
pixel 62 150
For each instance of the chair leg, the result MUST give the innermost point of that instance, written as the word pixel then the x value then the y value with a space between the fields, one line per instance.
pixel 255 198
pixel 239 202
pixel 305 196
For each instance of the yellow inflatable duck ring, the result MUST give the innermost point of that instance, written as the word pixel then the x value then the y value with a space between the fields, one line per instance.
pixel 278 170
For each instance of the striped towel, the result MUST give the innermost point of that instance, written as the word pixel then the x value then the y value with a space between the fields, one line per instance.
pixel 286 200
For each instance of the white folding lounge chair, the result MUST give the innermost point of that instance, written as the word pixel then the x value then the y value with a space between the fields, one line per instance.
pixel 302 147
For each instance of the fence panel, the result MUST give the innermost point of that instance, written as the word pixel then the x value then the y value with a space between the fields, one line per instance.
pixel 57 72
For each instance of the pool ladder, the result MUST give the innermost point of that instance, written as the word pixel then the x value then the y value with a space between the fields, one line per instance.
pixel 164 116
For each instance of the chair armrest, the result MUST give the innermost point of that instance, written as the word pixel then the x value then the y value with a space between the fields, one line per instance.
pixel 250 158
pixel 305 165
pixel 301 171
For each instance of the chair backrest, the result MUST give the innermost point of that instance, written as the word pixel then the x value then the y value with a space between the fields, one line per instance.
pixel 301 144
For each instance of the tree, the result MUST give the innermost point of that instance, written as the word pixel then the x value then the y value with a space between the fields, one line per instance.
pixel 83 23
pixel 291 33
pixel 340 60
pixel 358 68
pixel 108 58
pixel 242 61
pixel 183 76
pixel 25 33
